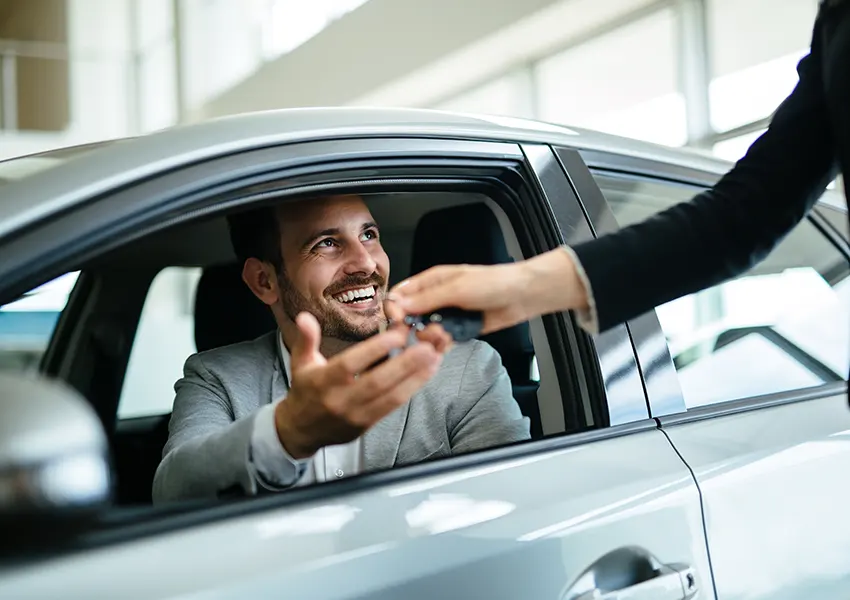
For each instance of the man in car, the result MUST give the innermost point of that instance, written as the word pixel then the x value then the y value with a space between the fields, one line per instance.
pixel 308 403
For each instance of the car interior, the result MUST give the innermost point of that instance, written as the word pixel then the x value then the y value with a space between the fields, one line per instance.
pixel 95 334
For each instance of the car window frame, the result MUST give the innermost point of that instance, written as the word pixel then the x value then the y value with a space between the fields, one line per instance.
pixel 292 160
pixel 614 350
pixel 665 395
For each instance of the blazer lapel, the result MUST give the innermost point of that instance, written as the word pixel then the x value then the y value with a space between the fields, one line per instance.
pixel 381 442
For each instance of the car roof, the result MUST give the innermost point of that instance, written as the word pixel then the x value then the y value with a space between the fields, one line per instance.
pixel 52 183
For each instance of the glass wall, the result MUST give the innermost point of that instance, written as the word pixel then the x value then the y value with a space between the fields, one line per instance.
pixel 622 82
pixel 627 79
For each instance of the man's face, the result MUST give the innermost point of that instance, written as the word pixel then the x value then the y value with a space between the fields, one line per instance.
pixel 334 266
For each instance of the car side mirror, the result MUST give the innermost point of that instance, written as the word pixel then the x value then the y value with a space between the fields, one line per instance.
pixel 54 460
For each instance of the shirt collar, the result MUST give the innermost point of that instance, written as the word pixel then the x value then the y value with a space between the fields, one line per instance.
pixel 284 357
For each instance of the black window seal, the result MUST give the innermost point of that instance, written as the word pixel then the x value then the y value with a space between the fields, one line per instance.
pixel 744 405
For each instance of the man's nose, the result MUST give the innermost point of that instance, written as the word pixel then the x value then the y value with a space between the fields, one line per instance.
pixel 360 260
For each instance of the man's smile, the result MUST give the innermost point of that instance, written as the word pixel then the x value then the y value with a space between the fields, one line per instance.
pixel 359 298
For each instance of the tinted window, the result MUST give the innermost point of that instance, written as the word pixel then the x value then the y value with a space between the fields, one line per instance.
pixel 784 325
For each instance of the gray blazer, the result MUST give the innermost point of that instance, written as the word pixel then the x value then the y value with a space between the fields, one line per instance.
pixel 467 405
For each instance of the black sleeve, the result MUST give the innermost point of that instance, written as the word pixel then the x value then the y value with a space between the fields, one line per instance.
pixel 724 231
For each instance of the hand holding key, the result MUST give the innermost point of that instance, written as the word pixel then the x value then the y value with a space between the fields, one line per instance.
pixel 333 401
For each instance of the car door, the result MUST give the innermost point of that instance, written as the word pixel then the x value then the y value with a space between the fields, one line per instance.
pixel 758 405
pixel 603 506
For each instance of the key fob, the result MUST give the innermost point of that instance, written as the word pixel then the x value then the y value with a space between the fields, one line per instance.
pixel 462 325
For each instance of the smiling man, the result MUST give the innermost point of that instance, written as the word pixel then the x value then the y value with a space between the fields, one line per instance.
pixel 315 400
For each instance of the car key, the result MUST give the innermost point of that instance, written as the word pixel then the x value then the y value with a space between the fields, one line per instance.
pixel 462 325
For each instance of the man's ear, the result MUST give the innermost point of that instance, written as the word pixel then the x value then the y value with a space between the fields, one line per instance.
pixel 261 279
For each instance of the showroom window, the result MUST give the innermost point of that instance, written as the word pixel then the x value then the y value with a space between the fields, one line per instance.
pixel 753 65
pixel 624 82
pixel 286 24
pixel 784 325
pixel 735 148
pixel 508 95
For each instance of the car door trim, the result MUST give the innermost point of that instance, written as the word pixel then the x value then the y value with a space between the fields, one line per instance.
pixel 635 165
pixel 744 405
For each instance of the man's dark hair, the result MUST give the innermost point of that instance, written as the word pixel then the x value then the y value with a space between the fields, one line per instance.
pixel 256 234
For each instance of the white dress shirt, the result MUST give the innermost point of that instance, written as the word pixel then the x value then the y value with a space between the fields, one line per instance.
pixel 587 319
pixel 275 469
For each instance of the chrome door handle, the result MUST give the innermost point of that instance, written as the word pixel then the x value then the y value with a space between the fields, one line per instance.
pixel 632 573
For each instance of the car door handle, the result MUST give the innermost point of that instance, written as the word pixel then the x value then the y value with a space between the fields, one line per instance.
pixel 632 573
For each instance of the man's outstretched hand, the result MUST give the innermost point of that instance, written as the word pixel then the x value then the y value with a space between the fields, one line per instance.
pixel 334 401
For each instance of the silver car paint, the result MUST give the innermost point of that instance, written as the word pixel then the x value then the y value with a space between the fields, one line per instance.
pixel 521 528
pixel 775 488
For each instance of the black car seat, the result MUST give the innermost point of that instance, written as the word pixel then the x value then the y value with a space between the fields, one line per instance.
pixel 471 234
pixel 226 311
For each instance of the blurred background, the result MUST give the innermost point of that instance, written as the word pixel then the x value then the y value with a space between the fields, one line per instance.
pixel 705 73
pixel 700 73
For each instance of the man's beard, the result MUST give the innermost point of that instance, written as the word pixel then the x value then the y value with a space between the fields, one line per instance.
pixel 333 324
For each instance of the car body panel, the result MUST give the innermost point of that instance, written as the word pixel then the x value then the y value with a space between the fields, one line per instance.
pixel 470 533
pixel 775 488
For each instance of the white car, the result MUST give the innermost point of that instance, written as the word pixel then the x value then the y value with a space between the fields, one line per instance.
pixel 701 450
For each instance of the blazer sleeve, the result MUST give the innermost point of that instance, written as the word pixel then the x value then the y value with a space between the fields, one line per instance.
pixel 722 232
pixel 492 416
pixel 207 452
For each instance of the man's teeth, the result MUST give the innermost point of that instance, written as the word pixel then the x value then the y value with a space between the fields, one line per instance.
pixel 361 295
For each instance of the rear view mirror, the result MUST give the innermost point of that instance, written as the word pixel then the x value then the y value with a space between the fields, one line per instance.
pixel 54 460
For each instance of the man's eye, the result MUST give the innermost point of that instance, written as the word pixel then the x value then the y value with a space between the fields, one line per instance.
pixel 369 235
pixel 327 243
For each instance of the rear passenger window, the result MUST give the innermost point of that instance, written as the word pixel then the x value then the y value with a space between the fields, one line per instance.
pixel 164 339
pixel 782 326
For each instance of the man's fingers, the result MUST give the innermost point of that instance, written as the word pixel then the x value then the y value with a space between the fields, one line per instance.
pixel 435 335
pixel 393 311
pixel 360 357
pixel 383 378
